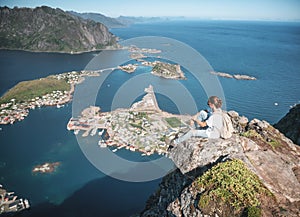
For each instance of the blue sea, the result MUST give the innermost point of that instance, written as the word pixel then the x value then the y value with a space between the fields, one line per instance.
pixel 269 51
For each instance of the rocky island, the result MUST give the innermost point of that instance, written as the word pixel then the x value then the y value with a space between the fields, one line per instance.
pixel 166 70
pixel 235 76
pixel 129 68
pixel 160 69
pixel 46 167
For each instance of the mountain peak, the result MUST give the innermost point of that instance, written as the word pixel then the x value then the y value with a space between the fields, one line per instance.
pixel 48 29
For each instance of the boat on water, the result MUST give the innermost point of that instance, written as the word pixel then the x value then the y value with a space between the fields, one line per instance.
pixel 94 131
pixel 102 144
pixel 101 132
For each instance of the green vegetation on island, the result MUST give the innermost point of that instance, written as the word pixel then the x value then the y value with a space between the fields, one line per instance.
pixel 54 90
pixel 167 70
pixel 27 90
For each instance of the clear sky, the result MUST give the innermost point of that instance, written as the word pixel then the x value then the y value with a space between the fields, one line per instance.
pixel 219 9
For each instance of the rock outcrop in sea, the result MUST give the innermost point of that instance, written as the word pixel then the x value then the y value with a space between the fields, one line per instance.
pixel 256 149
pixel 51 30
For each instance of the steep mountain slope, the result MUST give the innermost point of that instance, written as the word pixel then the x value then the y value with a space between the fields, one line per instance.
pixel 254 173
pixel 47 29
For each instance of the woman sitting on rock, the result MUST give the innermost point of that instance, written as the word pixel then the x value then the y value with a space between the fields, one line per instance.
pixel 207 128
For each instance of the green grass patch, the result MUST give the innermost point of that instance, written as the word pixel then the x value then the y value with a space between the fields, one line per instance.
pixel 141 115
pixel 253 211
pixel 233 185
pixel 251 134
pixel 270 139
pixel 173 122
pixel 27 90
pixel 163 138
pixel 160 67
pixel 274 143
pixel 137 126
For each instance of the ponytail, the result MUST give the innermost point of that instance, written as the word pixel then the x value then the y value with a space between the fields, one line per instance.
pixel 216 101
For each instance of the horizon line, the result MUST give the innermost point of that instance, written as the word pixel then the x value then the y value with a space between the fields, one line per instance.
pixel 174 16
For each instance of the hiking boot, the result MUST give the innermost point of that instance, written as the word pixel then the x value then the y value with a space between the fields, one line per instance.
pixel 170 147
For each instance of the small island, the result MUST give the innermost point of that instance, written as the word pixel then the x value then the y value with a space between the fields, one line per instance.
pixel 46 167
pixel 160 69
pixel 143 127
pixel 57 90
pixel 167 70
pixel 130 68
pixel 235 76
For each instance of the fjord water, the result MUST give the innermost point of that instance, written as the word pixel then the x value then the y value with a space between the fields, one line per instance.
pixel 269 51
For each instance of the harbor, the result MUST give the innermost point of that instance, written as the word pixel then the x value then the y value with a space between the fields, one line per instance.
pixel 10 203
pixel 13 110
pixel 142 128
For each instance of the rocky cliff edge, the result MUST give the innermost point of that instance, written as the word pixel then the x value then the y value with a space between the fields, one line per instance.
pixel 289 125
pixel 264 151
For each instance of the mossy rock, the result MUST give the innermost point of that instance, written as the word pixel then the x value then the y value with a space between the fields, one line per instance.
pixel 230 189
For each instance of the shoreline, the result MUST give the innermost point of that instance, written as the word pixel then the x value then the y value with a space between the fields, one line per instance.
pixel 143 127
pixel 60 52
pixel 12 111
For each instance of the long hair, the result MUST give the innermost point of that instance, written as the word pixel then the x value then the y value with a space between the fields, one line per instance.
pixel 215 101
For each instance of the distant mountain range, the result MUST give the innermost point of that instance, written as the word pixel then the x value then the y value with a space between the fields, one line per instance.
pixel 121 21
pixel 131 20
pixel 48 29
pixel 107 21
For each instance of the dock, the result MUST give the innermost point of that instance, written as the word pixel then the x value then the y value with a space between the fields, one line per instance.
pixel 9 202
